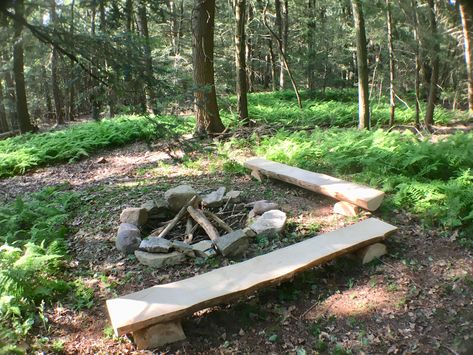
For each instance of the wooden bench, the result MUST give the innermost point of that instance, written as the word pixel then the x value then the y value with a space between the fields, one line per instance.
pixel 363 196
pixel 153 315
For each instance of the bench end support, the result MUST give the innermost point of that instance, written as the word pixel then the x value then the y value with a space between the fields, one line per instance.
pixel 158 335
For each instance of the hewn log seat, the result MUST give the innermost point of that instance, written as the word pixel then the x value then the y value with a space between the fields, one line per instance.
pixel 154 314
pixel 363 196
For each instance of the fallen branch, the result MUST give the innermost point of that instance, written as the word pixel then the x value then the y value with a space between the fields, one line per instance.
pixel 176 219
pixel 200 218
pixel 219 221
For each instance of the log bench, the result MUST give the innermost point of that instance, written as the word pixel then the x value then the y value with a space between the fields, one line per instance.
pixel 153 315
pixel 359 195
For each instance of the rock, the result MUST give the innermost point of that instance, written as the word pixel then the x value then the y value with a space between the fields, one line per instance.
pixel 249 232
pixel 179 196
pixel 136 216
pixel 215 198
pixel 204 249
pixel 233 196
pixel 159 260
pixel 346 209
pixel 158 211
pixel 233 243
pixel 155 245
pixel 182 247
pixel 259 207
pixel 128 238
pixel 270 222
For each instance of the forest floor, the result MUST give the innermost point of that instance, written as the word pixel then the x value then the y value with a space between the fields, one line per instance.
pixel 416 300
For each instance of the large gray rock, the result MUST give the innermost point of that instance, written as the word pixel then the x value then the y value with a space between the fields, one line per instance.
pixel 234 243
pixel 260 207
pixel 155 245
pixel 182 247
pixel 159 260
pixel 204 249
pixel 215 198
pixel 158 211
pixel 271 222
pixel 136 216
pixel 128 238
pixel 179 196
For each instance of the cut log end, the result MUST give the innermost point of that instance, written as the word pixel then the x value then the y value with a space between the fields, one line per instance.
pixel 158 335
pixel 371 252
pixel 346 209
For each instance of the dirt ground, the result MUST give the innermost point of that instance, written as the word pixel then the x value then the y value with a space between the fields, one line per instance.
pixel 415 300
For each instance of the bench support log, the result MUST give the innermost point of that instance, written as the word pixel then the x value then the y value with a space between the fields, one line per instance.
pixel 371 252
pixel 159 334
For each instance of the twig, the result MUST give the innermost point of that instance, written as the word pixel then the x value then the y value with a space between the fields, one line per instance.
pixel 219 221
pixel 176 219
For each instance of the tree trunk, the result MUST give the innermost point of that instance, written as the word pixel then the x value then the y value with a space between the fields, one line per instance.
pixel 283 56
pixel 466 12
pixel 149 74
pixel 284 40
pixel 362 63
pixel 71 103
pixel 3 114
pixel 240 61
pixel 249 53
pixel 417 63
pixel 54 73
pixel 272 58
pixel 18 67
pixel 207 116
pixel 392 75
pixel 279 32
pixel 95 93
pixel 10 97
pixel 311 25
pixel 434 57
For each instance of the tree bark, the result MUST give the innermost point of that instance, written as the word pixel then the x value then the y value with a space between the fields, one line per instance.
pixel 54 73
pixel 205 98
pixel 284 41
pixel 71 103
pixel 417 62
pixel 149 73
pixel 362 63
pixel 311 25
pixel 18 72
pixel 272 59
pixel 466 12
pixel 10 97
pixel 249 52
pixel 392 68
pixel 240 61
pixel 279 32
pixel 434 57
pixel 3 115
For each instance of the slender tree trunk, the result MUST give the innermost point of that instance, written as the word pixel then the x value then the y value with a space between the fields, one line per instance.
pixel 3 115
pixel 11 100
pixel 240 61
pixel 279 33
pixel 283 56
pixel 207 115
pixel 95 92
pixel 311 25
pixel 18 67
pixel 54 73
pixel 249 52
pixel 392 68
pixel 70 109
pixel 149 73
pixel 362 62
pixel 434 57
pixel 47 94
pixel 466 12
pixel 272 58
pixel 417 62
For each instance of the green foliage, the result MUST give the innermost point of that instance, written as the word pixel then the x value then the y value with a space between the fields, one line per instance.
pixel 32 234
pixel 26 152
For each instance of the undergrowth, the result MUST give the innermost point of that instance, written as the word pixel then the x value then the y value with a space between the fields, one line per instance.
pixel 434 180
pixel 28 151
pixel 32 253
